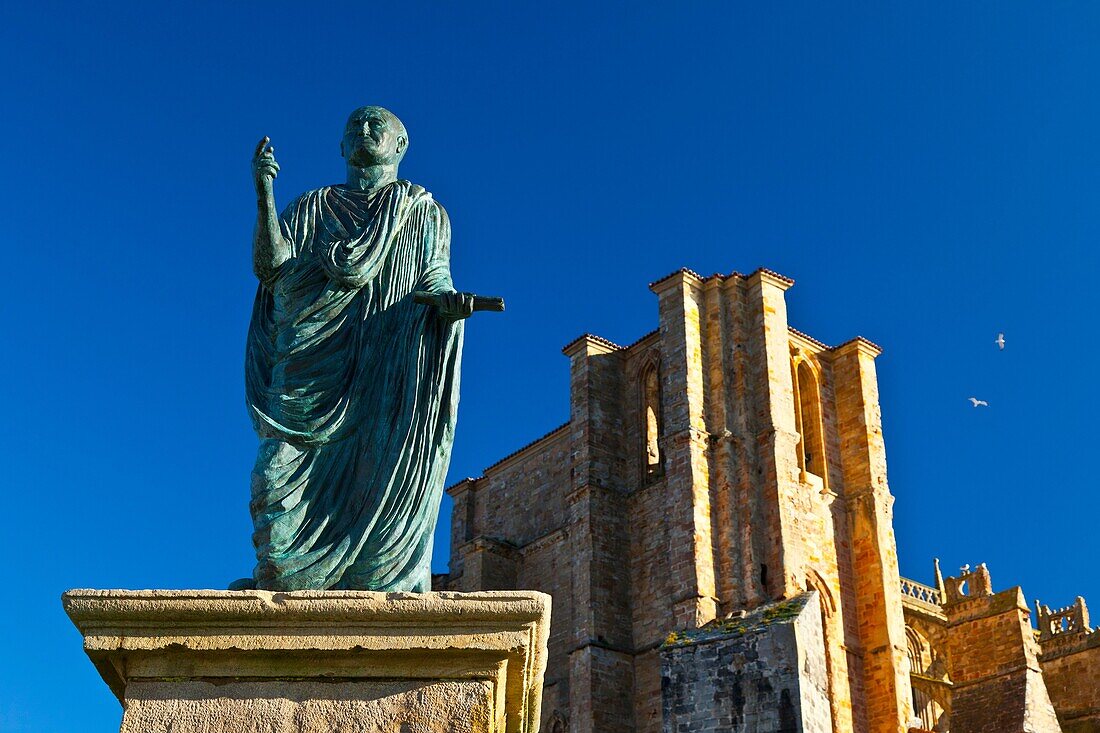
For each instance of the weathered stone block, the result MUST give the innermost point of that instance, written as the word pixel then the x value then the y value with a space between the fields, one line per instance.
pixel 764 672
pixel 308 706
pixel 318 661
pixel 992 654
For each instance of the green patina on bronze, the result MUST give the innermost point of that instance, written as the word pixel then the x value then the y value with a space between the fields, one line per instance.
pixel 352 380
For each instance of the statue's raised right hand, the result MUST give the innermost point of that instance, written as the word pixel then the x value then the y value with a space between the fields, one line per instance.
pixel 264 167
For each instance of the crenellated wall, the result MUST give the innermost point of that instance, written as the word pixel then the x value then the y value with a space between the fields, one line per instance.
pixel 1070 658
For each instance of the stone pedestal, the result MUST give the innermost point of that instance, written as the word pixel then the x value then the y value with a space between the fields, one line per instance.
pixel 318 661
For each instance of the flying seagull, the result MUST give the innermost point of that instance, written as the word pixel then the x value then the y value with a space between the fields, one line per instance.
pixel 978 403
pixel 1000 341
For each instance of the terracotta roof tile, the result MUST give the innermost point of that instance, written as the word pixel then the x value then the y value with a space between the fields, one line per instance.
pixel 719 276
pixel 682 270
pixel 860 339
pixel 808 337
pixel 773 273
pixel 593 337
pixel 458 483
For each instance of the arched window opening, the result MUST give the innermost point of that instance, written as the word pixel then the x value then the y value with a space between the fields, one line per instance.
pixel 811 444
pixel 916 649
pixel 924 666
pixel 651 414
pixel 825 607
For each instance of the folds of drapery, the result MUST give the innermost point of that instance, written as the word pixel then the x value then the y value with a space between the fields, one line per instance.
pixel 353 389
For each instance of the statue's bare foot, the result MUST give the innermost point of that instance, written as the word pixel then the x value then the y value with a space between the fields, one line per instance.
pixel 243 584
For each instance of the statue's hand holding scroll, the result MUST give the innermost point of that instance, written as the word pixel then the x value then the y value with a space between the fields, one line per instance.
pixel 456 306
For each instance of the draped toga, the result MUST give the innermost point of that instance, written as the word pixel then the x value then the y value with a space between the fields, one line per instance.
pixel 353 390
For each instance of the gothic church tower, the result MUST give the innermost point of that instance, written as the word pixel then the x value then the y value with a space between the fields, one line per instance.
pixel 719 464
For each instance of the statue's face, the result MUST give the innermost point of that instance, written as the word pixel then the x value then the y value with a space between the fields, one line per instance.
pixel 373 136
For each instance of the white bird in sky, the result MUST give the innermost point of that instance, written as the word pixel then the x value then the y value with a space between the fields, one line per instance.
pixel 978 403
pixel 1000 341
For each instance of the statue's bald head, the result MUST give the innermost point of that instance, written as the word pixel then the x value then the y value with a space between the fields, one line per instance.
pixel 374 135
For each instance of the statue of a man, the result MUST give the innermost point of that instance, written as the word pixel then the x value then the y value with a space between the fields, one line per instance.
pixel 352 382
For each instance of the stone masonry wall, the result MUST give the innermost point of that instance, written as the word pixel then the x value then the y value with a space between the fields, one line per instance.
pixel 601 667
pixel 877 584
pixel 1073 682
pixel 728 522
pixel 1071 671
pixel 509 529
pixel 763 673
pixel 992 657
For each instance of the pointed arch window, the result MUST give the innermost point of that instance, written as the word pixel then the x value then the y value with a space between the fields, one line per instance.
pixel 651 427
pixel 808 421
pixel 827 608
pixel 924 663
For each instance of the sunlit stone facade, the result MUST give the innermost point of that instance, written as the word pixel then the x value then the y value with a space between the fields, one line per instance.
pixel 721 463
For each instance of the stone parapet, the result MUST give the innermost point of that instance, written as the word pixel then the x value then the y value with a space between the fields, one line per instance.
pixel 312 661
pixel 1070 657
pixel 997 684
pixel 1072 678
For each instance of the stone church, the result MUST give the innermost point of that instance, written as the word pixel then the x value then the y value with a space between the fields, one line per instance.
pixel 715 527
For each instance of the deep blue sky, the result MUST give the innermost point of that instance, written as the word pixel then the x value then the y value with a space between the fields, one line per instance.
pixel 928 173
